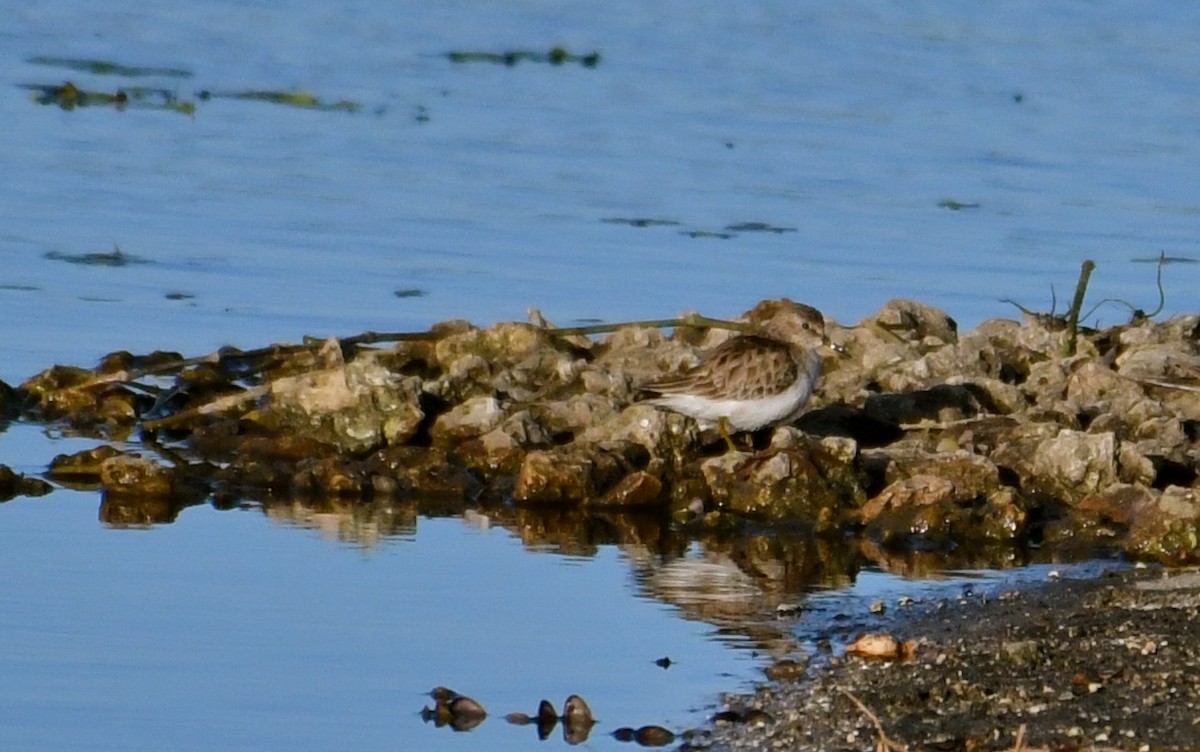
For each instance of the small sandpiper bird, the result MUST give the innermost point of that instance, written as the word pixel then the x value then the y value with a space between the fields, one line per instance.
pixel 752 380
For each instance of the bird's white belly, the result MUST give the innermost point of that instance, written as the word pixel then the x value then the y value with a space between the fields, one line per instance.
pixel 743 415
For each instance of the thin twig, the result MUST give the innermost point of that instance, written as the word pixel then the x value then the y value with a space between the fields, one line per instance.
pixel 932 425
pixel 127 376
pixel 885 742
pixel 1132 308
pixel 1019 744
pixel 1168 385
pixel 700 322
pixel 219 405
pixel 1034 314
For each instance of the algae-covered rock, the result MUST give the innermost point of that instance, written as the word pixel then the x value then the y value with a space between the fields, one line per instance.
pixel 471 359
pixel 425 471
pixel 941 512
pixel 638 489
pixel 795 480
pixel 664 434
pixel 467 420
pixel 356 406
pixel 332 476
pixel 574 414
pixel 1073 464
pixel 82 397
pixel 501 450
pixel 577 472
pixel 1064 464
pixel 1166 528
pixel 915 322
pixel 969 475
pixel 131 475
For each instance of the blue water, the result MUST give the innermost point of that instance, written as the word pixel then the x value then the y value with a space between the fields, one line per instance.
pixel 848 122
pixel 238 630
pixel 485 190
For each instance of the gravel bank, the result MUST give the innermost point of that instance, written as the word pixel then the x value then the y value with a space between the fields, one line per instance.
pixel 1112 663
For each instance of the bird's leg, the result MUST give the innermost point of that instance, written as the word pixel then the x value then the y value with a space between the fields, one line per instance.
pixel 723 427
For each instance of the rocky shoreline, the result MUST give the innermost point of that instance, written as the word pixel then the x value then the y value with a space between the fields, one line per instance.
pixel 1110 663
pixel 1013 434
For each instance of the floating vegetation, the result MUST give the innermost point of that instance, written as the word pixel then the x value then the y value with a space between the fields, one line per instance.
pixel 952 205
pixel 556 56
pixel 69 96
pixel 115 257
pixel 758 227
pixel 412 292
pixel 707 234
pixel 179 296
pixel 20 288
pixel 108 68
pixel 640 221
pixel 301 99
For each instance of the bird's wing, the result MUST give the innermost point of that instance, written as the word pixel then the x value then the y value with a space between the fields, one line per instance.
pixel 745 367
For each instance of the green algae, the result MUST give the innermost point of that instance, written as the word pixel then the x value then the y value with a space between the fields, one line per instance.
pixel 68 96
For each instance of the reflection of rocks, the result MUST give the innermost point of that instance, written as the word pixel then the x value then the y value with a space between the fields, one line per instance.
pixel 137 490
pixel 921 436
pixel 13 484
pixel 81 468
pixel 577 720
pixel 653 736
pixel 363 525
pixel 726 581
pixel 138 511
